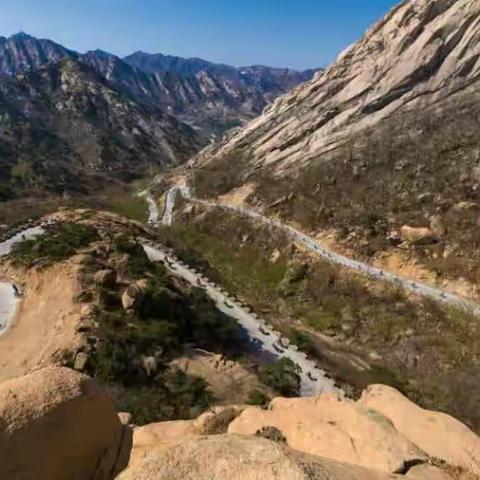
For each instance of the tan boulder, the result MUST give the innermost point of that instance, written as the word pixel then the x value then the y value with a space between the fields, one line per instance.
pixel 333 428
pixel 133 294
pixel 416 234
pixel 217 419
pixel 439 435
pixel 426 471
pixel 235 457
pixel 275 256
pixel 56 424
pixel 125 418
pixel 156 437
pixel 106 278
pixel 83 259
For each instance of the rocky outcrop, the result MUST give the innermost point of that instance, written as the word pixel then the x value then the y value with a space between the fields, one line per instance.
pixel 157 437
pixel 132 296
pixel 106 278
pixel 416 234
pixel 382 435
pixel 355 434
pixel 57 424
pixel 439 435
pixel 420 53
pixel 228 380
pixel 234 457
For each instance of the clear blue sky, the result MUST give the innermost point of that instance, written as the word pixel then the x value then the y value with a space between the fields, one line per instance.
pixel 294 33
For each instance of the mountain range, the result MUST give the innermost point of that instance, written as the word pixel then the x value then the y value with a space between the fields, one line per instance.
pixel 69 121
pixel 212 97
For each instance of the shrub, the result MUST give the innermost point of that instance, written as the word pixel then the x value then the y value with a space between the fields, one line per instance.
pixel 256 397
pixel 271 433
pixel 281 375
pixel 59 243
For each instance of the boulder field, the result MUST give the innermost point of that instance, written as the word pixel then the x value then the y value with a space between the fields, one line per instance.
pixel 57 424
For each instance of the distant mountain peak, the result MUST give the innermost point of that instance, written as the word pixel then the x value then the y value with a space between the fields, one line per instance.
pixel 21 36
pixel 212 96
pixel 100 53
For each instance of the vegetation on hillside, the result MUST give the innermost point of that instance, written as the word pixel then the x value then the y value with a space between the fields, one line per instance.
pixel 416 166
pixel 425 349
pixel 282 376
pixel 61 241
pixel 406 172
pixel 133 347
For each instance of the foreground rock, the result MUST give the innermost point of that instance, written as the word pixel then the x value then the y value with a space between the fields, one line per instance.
pixel 157 437
pixel 439 435
pixel 355 434
pixel 416 234
pixel 234 457
pixel 56 424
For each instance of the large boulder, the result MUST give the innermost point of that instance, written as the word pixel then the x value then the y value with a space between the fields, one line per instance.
pixel 57 424
pixel 333 428
pixel 438 434
pixel 106 278
pixel 235 457
pixel 133 295
pixel 416 234
pixel 156 437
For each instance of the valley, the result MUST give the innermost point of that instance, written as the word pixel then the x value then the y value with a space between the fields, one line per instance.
pixel 219 272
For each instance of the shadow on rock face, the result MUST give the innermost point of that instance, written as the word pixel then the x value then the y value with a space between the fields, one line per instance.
pixel 56 424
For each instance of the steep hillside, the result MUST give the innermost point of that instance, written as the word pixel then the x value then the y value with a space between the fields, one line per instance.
pixel 212 97
pixel 22 52
pixel 93 300
pixel 421 53
pixel 63 129
pixel 385 138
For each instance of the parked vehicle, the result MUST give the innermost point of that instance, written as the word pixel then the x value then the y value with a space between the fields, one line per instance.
pixel 265 332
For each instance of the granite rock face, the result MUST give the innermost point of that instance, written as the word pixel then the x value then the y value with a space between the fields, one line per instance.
pixel 421 53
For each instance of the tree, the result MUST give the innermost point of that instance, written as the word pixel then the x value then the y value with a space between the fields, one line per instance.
pixel 283 376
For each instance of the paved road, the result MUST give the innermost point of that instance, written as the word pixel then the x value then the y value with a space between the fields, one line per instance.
pixel 153 212
pixel 314 247
pixel 313 379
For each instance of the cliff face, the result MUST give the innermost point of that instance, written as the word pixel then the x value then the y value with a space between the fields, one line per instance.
pixel 422 53
pixel 22 52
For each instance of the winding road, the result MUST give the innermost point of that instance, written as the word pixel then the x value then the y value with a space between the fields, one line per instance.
pixel 314 247
pixel 313 380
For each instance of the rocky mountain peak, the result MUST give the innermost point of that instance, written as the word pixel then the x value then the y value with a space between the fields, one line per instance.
pixel 419 52
pixel 21 36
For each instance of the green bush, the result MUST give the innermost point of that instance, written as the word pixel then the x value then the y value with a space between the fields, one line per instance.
pixel 175 395
pixel 282 376
pixel 59 243
pixel 256 397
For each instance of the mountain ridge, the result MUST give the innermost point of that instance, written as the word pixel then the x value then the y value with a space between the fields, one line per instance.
pixel 63 127
pixel 402 58
pixel 212 97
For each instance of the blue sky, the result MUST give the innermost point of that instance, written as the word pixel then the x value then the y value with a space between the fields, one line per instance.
pixel 294 33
